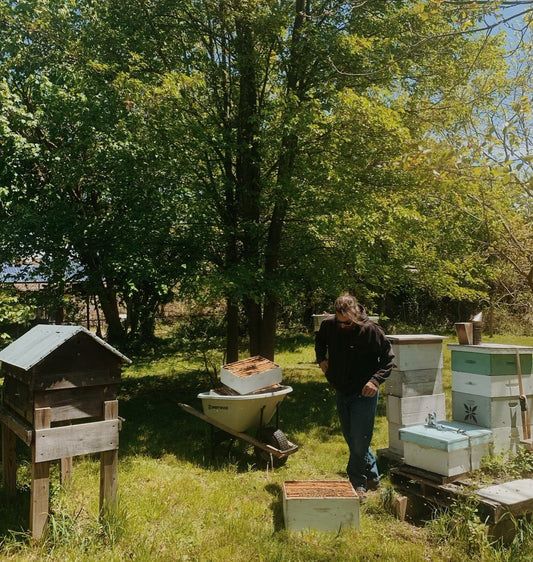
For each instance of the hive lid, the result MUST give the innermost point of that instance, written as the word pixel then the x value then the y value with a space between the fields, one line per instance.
pixel 405 339
pixel 492 348
pixel 36 344
pixel 448 436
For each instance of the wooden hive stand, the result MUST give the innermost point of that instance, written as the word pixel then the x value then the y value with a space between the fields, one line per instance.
pixel 59 398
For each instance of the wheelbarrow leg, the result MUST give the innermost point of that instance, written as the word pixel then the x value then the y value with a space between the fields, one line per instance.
pixel 217 437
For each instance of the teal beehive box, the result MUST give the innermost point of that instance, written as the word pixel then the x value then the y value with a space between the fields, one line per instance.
pixel 446 448
pixel 491 359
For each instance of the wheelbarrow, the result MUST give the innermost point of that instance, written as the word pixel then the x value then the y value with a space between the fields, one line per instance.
pixel 236 414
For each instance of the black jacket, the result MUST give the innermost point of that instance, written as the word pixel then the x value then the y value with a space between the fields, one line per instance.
pixel 355 356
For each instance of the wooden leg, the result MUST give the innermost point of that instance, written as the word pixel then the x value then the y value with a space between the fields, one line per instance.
pixel 109 466
pixel 9 461
pixel 66 465
pixel 40 480
pixel 66 471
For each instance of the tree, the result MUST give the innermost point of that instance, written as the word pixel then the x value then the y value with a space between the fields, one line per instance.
pixel 86 175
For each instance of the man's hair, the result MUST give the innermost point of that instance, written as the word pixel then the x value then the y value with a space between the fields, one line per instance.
pixel 348 306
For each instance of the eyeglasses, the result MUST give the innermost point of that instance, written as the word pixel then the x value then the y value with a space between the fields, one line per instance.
pixel 344 322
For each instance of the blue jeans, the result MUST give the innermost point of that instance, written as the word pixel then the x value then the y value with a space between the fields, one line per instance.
pixel 357 414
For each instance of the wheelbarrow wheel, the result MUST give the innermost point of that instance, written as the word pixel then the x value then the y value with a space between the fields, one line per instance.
pixel 275 438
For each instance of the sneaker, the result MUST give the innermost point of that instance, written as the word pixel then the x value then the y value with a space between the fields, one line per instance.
pixel 361 494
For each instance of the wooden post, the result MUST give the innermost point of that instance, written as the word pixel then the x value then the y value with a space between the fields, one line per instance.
pixel 109 465
pixel 65 463
pixel 40 479
pixel 9 461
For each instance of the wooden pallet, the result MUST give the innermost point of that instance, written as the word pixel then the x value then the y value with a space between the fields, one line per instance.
pixel 422 493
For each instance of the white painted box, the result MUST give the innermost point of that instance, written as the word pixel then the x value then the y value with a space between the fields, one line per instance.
pixel 419 382
pixel 485 411
pixel 395 443
pixel 449 449
pixel 248 375
pixel 318 319
pixel 491 386
pixel 412 410
pixel 413 352
pixel 320 504
pixel 507 439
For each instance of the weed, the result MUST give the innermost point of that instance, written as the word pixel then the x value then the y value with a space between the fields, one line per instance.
pixel 461 524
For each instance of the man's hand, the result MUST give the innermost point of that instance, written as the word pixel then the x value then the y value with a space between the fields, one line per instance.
pixel 324 365
pixel 369 389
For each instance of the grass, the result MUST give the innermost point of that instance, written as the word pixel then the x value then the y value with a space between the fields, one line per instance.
pixel 178 503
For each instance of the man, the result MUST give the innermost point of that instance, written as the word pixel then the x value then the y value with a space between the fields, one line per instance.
pixel 356 357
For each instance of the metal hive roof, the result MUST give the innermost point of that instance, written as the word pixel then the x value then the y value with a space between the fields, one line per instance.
pixel 36 344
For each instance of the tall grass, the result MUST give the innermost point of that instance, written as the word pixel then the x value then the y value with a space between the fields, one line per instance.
pixel 177 502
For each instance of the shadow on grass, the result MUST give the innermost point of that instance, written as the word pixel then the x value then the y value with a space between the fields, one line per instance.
pixel 15 515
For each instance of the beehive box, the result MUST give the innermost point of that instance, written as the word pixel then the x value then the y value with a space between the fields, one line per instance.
pixel 248 375
pixel 413 410
pixel 320 504
pixel 413 352
pixel 414 383
pixel 491 359
pixel 509 438
pixel 395 443
pixel 487 411
pixel 317 320
pixel 491 386
pixel 455 448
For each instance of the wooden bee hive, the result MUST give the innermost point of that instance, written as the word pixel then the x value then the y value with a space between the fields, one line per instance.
pixel 320 504
pixel 249 375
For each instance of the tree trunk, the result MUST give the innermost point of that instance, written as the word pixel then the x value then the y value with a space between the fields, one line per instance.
pixel 253 316
pixel 108 301
pixel 232 331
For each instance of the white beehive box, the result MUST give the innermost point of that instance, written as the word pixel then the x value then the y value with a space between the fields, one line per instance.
pixel 395 443
pixel 318 319
pixel 249 375
pixel 509 438
pixel 413 352
pixel 414 383
pixel 493 386
pixel 320 504
pixel 413 410
pixel 454 449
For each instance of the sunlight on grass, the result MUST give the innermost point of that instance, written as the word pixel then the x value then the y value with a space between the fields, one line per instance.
pixel 176 502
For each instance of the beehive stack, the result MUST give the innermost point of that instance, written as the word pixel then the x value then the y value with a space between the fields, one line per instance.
pixel 414 388
pixel 486 389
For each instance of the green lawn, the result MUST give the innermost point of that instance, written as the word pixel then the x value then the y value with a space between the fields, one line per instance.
pixel 177 503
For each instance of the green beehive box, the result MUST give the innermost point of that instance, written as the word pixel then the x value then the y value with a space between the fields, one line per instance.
pixel 491 359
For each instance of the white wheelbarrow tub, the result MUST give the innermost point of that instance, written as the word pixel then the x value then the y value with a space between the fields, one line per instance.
pixel 244 411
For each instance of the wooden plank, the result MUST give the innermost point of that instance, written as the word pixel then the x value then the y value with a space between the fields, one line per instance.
pixel 40 481
pixel 399 507
pixel 75 403
pixel 109 466
pixel 65 465
pixel 17 425
pixel 17 396
pixel 9 460
pixel 83 378
pixel 81 439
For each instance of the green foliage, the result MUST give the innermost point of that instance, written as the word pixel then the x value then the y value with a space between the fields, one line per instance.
pixel 13 314
pixel 462 525
pixel 518 465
